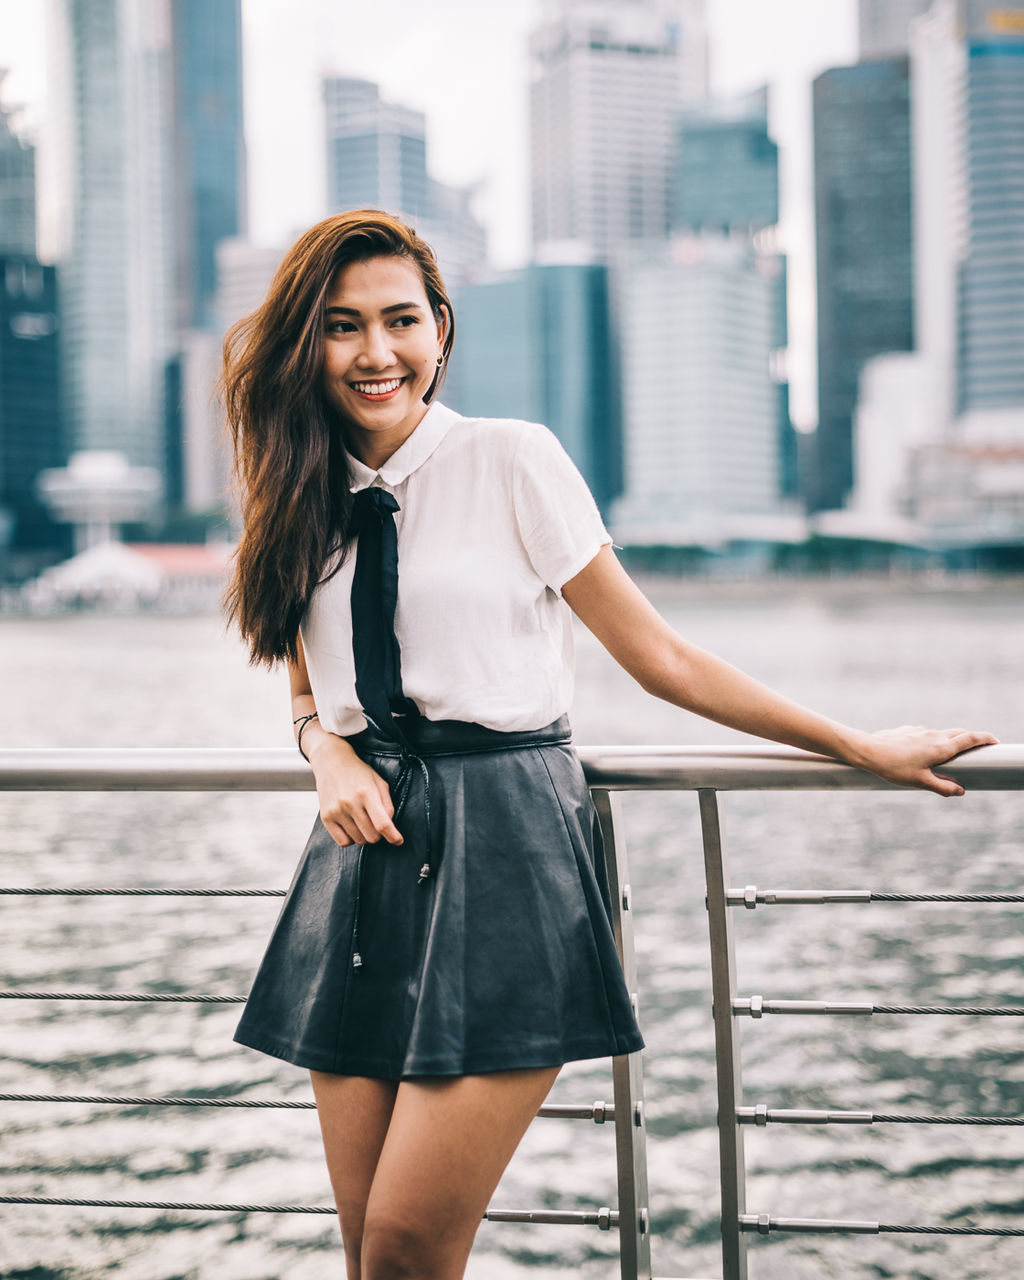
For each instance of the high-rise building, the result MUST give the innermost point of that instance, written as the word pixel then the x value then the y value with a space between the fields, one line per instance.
pixel 210 208
pixel 727 182
pixel 30 425
pixel 700 405
pixel 148 135
pixel 454 233
pixel 884 26
pixel 865 267
pixel 967 58
pixel 968 76
pixel 608 80
pixel 376 150
pixel 941 432
pixel 112 89
pixel 991 363
pixel 209 147
pixel 537 345
pixel 726 168
pixel 939 199
pixel 17 188
pixel 377 159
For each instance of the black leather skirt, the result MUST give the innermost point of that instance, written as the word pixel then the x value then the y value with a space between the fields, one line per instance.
pixel 483 943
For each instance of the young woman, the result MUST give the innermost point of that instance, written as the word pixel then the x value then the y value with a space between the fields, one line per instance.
pixel 445 945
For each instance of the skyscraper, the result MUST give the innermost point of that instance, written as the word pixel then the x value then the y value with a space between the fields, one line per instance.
pixel 376 150
pixel 17 188
pixel 30 427
pixel 968 76
pixel 864 248
pixel 727 183
pixel 148 134
pixel 945 427
pixel 607 83
pixel 537 345
pixel 377 159
pixel 726 170
pixel 700 416
pixel 991 363
pixel 112 87
pixel 884 26
pixel 209 147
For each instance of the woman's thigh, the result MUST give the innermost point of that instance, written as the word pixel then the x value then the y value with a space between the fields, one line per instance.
pixel 354 1114
pixel 446 1148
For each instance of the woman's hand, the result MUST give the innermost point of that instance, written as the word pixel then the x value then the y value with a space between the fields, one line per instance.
pixel 909 755
pixel 355 802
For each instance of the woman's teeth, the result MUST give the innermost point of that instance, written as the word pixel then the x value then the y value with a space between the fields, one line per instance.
pixel 377 388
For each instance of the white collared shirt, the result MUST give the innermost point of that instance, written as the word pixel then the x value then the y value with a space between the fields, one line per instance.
pixel 494 519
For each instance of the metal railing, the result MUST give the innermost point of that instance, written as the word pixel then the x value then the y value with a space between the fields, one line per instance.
pixel 609 770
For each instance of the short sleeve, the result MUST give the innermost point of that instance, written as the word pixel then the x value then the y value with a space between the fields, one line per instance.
pixel 557 516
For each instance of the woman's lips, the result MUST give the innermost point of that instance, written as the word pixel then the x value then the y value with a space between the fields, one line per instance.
pixel 378 391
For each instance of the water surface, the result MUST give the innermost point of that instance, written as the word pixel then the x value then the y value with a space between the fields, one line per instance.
pixel 866 654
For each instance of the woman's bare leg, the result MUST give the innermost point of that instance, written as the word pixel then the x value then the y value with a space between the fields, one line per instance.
pixel 354 1116
pixel 446 1148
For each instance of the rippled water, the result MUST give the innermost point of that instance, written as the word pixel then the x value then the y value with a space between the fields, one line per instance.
pixel 865 654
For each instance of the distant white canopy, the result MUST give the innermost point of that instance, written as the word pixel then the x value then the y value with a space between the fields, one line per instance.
pixel 108 569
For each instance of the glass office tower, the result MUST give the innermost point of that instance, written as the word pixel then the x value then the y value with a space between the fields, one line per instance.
pixel 865 269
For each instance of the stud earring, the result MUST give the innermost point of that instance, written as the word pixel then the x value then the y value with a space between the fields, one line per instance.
pixel 440 360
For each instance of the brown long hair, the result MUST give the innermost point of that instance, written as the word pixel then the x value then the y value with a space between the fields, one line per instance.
pixel 289 457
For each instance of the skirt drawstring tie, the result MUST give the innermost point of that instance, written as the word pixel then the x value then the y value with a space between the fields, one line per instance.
pixel 410 762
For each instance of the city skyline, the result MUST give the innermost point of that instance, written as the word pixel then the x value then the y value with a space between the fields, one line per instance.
pixel 423 66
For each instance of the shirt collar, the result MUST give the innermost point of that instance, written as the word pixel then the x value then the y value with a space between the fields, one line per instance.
pixel 411 455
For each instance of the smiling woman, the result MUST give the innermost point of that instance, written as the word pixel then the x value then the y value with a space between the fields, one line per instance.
pixel 446 944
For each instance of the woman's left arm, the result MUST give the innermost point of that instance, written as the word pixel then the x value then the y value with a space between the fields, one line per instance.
pixel 611 605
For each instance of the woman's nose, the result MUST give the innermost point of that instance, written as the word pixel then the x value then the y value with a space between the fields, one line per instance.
pixel 376 348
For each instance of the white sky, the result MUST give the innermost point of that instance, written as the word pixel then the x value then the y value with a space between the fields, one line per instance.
pixel 464 63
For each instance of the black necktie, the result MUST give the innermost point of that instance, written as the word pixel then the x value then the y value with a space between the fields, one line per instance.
pixel 375 649
pixel 378 661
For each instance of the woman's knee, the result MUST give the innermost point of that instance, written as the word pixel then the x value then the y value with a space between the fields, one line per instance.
pixel 397 1249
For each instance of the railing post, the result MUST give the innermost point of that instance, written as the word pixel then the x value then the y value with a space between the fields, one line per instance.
pixel 627 1070
pixel 727 1043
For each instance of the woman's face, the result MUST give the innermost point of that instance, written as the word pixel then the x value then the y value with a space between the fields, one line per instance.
pixel 381 345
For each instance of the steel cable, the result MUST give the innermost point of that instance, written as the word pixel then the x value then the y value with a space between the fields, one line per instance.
pixel 1004 1011
pixel 168 1204
pixel 947 897
pixel 96 891
pixel 137 996
pixel 603 1218
pixel 904 1229
pixel 968 1120
pixel 118 1101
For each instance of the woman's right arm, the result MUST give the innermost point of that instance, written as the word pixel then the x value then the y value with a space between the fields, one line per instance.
pixel 355 803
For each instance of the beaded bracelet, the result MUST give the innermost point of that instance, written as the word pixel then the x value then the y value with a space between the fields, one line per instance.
pixel 302 721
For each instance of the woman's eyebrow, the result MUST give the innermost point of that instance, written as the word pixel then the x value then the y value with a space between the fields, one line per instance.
pixel 397 306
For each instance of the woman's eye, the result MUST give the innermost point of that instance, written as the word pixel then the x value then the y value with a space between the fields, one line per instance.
pixel 340 326
pixel 406 322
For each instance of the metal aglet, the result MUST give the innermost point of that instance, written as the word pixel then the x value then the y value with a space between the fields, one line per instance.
pixel 424 873
pixel 357 960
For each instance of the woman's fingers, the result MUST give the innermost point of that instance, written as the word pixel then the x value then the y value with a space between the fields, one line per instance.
pixel 364 819
pixel 959 741
pixel 965 739
pixel 940 785
pixel 384 817
pixel 338 833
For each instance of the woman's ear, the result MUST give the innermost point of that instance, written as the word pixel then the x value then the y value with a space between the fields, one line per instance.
pixel 443 325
